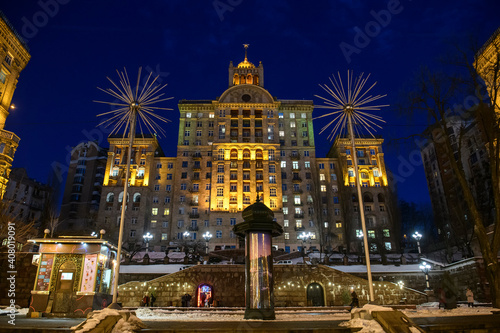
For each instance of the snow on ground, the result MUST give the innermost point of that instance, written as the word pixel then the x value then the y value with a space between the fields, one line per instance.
pixel 378 268
pixel 431 310
pixel 152 269
pixel 368 326
pixel 147 314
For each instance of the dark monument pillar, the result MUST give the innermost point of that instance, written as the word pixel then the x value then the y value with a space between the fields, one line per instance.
pixel 258 228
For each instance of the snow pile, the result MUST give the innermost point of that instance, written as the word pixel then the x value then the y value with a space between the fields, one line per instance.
pixel 367 326
pixel 431 310
pixel 132 325
pixel 92 322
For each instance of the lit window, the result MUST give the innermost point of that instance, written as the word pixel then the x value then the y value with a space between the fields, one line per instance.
pixel 285 210
pixel 323 188
pixel 351 173
pixel 188 114
pixel 166 211
pixel 322 176
pixel 376 173
pixel 154 211
pixel 287 235
pixel 386 233
pixel 285 198
pixel 325 224
pixel 285 223
pixel 338 225
pixel 371 233
pixel 388 246
pixel 281 133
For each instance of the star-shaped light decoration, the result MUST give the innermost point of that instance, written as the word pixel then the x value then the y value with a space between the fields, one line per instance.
pixel 349 99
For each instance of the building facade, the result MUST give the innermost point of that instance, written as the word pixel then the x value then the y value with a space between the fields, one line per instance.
pixel 14 56
pixel 378 199
pixel 26 198
pixel 451 216
pixel 242 146
pixel 82 192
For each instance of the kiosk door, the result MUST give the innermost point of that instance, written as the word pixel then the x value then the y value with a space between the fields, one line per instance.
pixel 63 298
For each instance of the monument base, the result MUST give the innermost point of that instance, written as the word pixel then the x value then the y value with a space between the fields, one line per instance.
pixel 263 314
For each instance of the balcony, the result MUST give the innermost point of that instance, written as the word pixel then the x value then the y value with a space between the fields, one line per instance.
pixel 299 215
pixel 193 203
pixel 296 179
pixel 297 203
pixel 295 157
pixel 192 228
pixel 297 191
pixel 194 215
pixel 299 228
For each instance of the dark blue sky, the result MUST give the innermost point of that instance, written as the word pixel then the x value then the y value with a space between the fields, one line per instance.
pixel 76 44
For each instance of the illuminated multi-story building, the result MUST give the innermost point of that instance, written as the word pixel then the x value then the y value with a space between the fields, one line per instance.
pixel 487 65
pixel 245 145
pixel 14 56
pixel 378 199
pixel 82 193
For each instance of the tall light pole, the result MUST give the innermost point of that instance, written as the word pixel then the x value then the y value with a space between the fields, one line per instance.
pixel 186 234
pixel 425 267
pixel 129 105
pixel 147 237
pixel 350 104
pixel 360 235
pixel 305 237
pixel 418 237
pixel 207 236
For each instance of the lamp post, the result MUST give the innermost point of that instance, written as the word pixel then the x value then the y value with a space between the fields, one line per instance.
pixel 305 237
pixel 360 235
pixel 207 236
pixel 186 234
pixel 93 234
pixel 147 237
pixel 418 237
pixel 425 267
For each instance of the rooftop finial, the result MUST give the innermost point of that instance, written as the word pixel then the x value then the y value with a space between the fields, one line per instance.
pixel 246 48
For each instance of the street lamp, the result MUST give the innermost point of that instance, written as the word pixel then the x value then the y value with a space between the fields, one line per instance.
pixel 305 237
pixel 147 237
pixel 186 234
pixel 207 236
pixel 425 267
pixel 93 234
pixel 360 235
pixel 418 237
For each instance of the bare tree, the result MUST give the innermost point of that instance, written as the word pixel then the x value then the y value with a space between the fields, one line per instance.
pixel 20 229
pixel 437 94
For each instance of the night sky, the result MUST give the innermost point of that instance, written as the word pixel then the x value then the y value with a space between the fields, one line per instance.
pixel 75 44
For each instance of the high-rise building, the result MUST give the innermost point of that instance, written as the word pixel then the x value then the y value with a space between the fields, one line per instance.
pixel 378 199
pixel 82 193
pixel 14 56
pixel 487 65
pixel 451 216
pixel 242 146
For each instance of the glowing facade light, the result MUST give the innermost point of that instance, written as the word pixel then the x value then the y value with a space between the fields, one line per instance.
pixel 425 267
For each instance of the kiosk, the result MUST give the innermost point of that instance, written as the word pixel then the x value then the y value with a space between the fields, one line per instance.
pixel 75 276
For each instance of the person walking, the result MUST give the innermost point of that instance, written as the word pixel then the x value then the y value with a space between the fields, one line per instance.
pixel 470 298
pixel 188 300
pixel 153 299
pixel 355 300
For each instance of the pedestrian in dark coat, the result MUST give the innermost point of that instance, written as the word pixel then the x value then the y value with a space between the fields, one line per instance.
pixel 355 300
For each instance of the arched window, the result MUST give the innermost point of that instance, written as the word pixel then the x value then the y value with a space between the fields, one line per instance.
pixel 110 197
pixel 120 197
pixel 256 79
pixel 242 79
pixel 221 154
pixel 367 197
pixel 249 79
pixel 137 197
pixel 234 153
pixel 236 79
pixel 381 197
pixel 246 153
pixel 258 154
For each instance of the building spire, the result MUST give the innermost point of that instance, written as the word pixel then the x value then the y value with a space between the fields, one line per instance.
pixel 246 48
